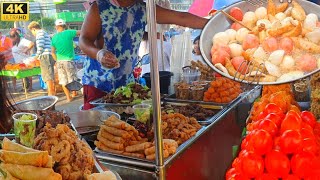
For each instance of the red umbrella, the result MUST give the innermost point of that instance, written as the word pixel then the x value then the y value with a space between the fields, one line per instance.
pixel 201 7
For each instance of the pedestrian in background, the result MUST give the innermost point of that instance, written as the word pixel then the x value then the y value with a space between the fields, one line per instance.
pixel 62 46
pixel 21 51
pixel 43 43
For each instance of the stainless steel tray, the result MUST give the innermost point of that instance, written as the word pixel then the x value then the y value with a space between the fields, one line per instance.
pixel 100 101
pixel 128 159
pixel 172 98
pixel 220 22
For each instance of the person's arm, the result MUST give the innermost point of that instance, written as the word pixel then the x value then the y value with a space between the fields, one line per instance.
pixel 167 16
pixel 88 34
pixel 53 53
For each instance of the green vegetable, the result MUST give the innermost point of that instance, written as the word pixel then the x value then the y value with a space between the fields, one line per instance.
pixel 136 101
pixel 124 90
pixel 145 88
pixel 25 130
pixel 135 95
pixel 26 117
pixel 142 115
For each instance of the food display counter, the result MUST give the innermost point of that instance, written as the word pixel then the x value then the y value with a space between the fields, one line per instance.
pixel 209 151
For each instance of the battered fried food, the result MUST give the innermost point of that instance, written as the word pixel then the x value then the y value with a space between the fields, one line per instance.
pixel 38 159
pixel 294 32
pixel 298 12
pixel 73 157
pixel 282 7
pixel 271 8
pixel 306 45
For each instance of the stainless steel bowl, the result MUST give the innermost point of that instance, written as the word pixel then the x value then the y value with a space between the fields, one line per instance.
pixel 38 103
pixel 220 22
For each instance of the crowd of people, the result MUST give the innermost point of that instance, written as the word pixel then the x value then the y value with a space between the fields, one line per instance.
pixel 113 47
pixel 56 53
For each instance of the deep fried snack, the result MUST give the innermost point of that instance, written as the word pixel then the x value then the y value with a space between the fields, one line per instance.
pixel 294 32
pixel 138 142
pixel 282 7
pixel 153 156
pixel 105 148
pixel 271 8
pixel 39 159
pixel 110 144
pixel 275 32
pixel 27 172
pixel 103 133
pixel 306 45
pixel 138 147
pixel 137 155
pixel 116 132
pixel 150 151
pixel 298 12
pixel 64 170
pixel 12 146
pixel 61 150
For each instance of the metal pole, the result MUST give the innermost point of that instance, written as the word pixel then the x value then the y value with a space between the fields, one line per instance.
pixel 155 87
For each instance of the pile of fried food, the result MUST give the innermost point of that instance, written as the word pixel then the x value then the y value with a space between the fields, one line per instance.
pixel 278 43
pixel 73 158
pixel 19 162
pixel 52 117
pixel 281 95
pixel 177 127
pixel 190 110
pixel 118 137
pixel 169 148
pixel 315 94
pixel 222 90
pixel 207 73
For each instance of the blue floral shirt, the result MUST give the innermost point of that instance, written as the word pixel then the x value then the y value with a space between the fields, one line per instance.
pixel 122 30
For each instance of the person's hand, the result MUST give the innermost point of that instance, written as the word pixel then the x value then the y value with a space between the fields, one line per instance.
pixel 107 59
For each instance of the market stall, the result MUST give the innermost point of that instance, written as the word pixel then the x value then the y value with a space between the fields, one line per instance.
pixel 210 128
pixel 22 74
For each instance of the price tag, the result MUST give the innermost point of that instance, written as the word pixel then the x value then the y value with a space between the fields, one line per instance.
pixel 14 11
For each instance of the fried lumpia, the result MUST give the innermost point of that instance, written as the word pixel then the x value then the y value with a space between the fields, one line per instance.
pixel 27 172
pixel 12 146
pixel 116 132
pixel 153 156
pixel 39 159
pixel 138 147
pixel 110 144
pixel 103 147
pixel 6 175
pixel 111 137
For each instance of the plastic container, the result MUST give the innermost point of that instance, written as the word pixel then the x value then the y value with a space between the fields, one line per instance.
pixel 25 130
pixel 184 92
pixel 197 93
pixel 165 80
pixel 142 112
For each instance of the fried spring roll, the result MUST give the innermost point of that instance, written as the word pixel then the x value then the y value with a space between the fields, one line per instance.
pixel 12 146
pixel 8 175
pixel 138 147
pixel 111 137
pixel 153 156
pixel 150 150
pixel 116 132
pixel 138 142
pixel 110 144
pixel 39 159
pixel 105 148
pixel 27 172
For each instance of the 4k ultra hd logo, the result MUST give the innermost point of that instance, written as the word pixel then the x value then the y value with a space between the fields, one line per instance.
pixel 14 11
